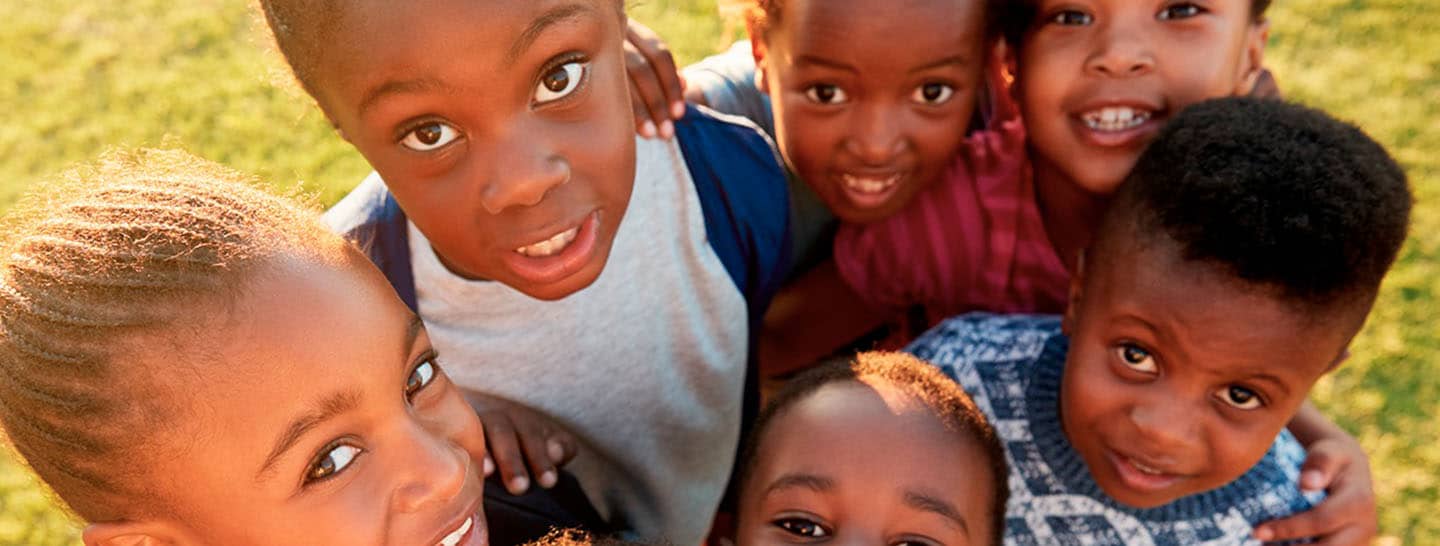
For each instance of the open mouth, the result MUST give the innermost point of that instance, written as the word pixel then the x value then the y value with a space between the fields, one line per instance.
pixel 1116 118
pixel 1142 476
pixel 459 534
pixel 550 247
pixel 870 191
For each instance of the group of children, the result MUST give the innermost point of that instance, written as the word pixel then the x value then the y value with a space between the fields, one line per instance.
pixel 529 290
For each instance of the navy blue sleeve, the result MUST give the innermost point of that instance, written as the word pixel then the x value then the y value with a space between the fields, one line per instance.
pixel 369 217
pixel 746 203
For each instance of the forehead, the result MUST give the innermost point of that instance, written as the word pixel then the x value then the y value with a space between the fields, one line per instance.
pixel 380 40
pixel 846 27
pixel 845 430
pixel 1202 311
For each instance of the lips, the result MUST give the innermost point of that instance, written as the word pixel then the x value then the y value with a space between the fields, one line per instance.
pixel 558 255
pixel 1142 475
pixel 1113 124
pixel 462 532
pixel 870 190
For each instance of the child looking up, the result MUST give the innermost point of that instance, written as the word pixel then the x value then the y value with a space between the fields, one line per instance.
pixel 1230 273
pixel 520 217
pixel 186 359
pixel 881 450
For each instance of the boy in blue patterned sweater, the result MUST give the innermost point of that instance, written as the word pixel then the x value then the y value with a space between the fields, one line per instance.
pixel 1230 273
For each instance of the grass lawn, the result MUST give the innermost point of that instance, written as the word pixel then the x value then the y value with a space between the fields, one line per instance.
pixel 81 76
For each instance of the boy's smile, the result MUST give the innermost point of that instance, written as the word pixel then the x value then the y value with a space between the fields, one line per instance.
pixel 867 118
pixel 1098 78
pixel 1179 376
pixel 503 130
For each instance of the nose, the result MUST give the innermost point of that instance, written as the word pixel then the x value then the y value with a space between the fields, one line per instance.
pixel 432 470
pixel 1165 424
pixel 522 168
pixel 1121 51
pixel 875 135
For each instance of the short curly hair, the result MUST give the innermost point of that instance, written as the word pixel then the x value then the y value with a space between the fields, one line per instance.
pixel 919 380
pixel 763 15
pixel 1279 195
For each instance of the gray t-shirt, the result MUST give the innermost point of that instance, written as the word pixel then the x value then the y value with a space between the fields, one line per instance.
pixel 728 82
pixel 646 366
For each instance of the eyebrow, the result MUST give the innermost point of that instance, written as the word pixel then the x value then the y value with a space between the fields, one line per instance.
pixel 927 503
pixel 827 63
pixel 400 87
pixel 538 26
pixel 812 482
pixel 328 407
pixel 953 60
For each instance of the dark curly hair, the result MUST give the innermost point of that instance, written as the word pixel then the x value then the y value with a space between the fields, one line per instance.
pixel 1276 194
pixel 1015 17
pixel 920 381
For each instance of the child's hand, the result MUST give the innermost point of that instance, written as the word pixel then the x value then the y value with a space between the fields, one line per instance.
pixel 656 88
pixel 1346 517
pixel 516 435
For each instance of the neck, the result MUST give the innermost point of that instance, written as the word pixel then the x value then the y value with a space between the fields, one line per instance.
pixel 1071 214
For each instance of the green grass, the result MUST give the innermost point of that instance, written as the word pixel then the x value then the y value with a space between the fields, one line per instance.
pixel 80 76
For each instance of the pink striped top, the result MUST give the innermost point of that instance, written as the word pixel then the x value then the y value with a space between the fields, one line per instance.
pixel 974 241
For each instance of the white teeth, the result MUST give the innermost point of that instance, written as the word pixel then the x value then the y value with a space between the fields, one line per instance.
pixel 551 246
pixel 1115 118
pixel 454 537
pixel 1145 469
pixel 869 184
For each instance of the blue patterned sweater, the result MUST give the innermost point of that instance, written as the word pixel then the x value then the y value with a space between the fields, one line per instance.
pixel 1011 366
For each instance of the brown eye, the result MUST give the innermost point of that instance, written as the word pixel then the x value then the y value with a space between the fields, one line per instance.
pixel 420 377
pixel 802 527
pixel 1240 397
pixel 1136 358
pixel 333 461
pixel 933 93
pixel 825 94
pixel 560 82
pixel 430 136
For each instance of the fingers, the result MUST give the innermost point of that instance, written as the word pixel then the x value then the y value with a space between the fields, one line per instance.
pixel 1320 468
pixel 1341 515
pixel 538 454
pixel 657 92
pixel 506 452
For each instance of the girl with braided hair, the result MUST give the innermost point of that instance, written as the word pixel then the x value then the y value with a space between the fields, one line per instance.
pixel 187 359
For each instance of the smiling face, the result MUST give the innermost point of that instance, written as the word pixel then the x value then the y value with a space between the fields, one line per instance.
pixel 1179 376
pixel 346 433
pixel 871 97
pixel 858 463
pixel 1097 78
pixel 502 128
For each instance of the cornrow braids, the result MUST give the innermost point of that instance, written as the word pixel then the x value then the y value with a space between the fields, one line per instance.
pixel 93 274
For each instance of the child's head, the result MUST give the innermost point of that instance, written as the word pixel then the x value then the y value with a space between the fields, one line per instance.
pixel 186 357
pixel 1230 273
pixel 1097 78
pixel 871 98
pixel 503 129
pixel 884 449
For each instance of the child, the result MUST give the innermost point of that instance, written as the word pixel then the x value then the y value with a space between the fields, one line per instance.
pixel 186 359
pixel 880 450
pixel 560 263
pixel 1231 272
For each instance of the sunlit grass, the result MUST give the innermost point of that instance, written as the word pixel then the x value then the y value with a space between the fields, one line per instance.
pixel 78 77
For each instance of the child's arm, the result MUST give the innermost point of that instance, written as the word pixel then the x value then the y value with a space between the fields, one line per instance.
pixel 657 89
pixel 1336 463
pixel 516 435
pixel 811 318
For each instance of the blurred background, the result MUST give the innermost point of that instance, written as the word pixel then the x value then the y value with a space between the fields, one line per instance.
pixel 78 77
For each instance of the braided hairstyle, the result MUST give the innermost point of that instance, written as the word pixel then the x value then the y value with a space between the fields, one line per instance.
pixel 110 268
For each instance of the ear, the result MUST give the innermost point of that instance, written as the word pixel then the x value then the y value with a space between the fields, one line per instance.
pixel 1077 293
pixel 759 51
pixel 1253 62
pixel 130 533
